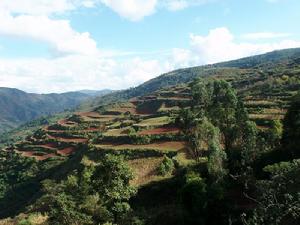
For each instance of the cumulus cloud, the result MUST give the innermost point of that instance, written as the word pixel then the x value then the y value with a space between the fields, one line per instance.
pixel 77 71
pixel 38 7
pixel 133 10
pixel 31 19
pixel 57 33
pixel 136 10
pixel 221 45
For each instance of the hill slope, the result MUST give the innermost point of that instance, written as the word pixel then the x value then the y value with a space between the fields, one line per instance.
pixel 259 62
pixel 17 107
pixel 145 130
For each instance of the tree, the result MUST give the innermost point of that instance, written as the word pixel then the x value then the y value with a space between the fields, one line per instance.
pixel 91 195
pixel 194 199
pixel 216 162
pixel 203 135
pixel 279 199
pixel 111 180
pixel 220 104
pixel 248 142
pixel 291 129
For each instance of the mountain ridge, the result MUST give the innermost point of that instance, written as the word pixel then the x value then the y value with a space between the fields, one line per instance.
pixel 18 107
pixel 185 75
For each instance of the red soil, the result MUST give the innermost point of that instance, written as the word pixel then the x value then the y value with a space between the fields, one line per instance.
pixel 135 101
pixel 161 130
pixel 53 131
pixel 66 151
pixel 65 122
pixel 93 129
pixel 40 158
pixel 26 154
pixel 62 122
pixel 31 154
pixel 49 146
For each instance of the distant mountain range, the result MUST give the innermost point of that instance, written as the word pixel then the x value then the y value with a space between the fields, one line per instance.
pixel 17 107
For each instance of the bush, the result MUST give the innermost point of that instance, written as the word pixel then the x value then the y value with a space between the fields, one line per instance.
pixel 24 222
pixel 166 167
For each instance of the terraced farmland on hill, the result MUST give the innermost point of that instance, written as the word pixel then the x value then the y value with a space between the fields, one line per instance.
pixel 145 126
pixel 146 130
pixel 123 128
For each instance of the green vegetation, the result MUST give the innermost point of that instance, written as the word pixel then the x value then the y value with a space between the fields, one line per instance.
pixel 95 194
pixel 166 166
pixel 219 149
pixel 18 107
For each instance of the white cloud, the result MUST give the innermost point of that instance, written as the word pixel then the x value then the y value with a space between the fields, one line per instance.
pixel 136 10
pixel 264 35
pixel 220 45
pixel 79 71
pixel 57 33
pixel 76 72
pixel 31 19
pixel 133 10
pixel 37 7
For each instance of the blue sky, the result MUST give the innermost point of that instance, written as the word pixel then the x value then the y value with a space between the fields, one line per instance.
pixel 63 45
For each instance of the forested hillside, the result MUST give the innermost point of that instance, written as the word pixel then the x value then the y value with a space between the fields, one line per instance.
pixel 18 107
pixel 217 144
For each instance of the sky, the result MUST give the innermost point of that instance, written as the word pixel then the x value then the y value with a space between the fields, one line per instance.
pixel 65 45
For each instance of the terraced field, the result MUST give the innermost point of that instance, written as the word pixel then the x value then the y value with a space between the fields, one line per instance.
pixel 113 128
pixel 144 129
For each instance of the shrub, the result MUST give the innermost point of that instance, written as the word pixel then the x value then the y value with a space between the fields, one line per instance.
pixel 24 222
pixel 166 167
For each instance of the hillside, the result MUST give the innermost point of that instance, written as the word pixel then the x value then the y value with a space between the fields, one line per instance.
pixel 261 62
pixel 150 128
pixel 18 107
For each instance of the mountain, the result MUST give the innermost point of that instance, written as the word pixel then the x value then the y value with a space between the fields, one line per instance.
pixel 146 153
pixel 260 62
pixel 17 107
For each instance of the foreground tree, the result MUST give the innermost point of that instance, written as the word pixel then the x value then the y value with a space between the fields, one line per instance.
pixel 291 129
pixel 96 194
pixel 279 199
